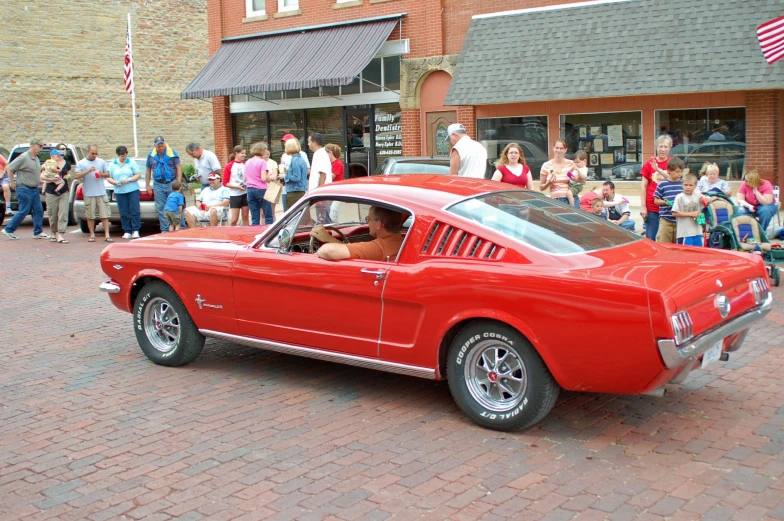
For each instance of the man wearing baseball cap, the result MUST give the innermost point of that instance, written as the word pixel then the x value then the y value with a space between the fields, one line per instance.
pixel 468 157
pixel 285 164
pixel 24 174
pixel 163 165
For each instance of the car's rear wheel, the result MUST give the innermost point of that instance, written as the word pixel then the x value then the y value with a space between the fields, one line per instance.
pixel 164 328
pixel 498 379
pixel 83 226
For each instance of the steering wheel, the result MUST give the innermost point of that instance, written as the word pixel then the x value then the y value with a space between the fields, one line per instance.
pixel 333 227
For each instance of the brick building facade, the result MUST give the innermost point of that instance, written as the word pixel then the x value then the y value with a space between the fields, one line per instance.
pixel 430 38
pixel 61 72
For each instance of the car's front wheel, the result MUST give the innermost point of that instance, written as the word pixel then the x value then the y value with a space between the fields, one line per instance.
pixel 83 226
pixel 498 379
pixel 164 328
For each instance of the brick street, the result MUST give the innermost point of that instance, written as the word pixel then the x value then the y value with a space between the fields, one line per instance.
pixel 90 429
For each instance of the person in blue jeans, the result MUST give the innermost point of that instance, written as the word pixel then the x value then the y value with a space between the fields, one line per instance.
pixel 125 175
pixel 24 174
pixel 163 166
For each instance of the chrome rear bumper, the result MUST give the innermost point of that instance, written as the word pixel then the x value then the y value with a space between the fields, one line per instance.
pixel 109 287
pixel 675 356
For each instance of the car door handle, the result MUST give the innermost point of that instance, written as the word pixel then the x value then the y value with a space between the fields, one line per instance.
pixel 378 273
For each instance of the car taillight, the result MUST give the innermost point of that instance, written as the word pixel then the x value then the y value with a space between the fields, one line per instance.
pixel 682 327
pixel 144 196
pixel 79 193
pixel 759 287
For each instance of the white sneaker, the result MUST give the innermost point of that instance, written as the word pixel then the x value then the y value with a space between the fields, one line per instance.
pixel 10 235
pixel 9 212
pixel 135 235
pixel 41 236
pixel 126 236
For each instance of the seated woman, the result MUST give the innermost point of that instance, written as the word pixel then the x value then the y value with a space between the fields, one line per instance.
pixel 755 196
pixel 383 224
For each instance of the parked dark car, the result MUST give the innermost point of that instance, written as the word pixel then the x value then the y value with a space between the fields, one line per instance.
pixel 726 154
pixel 413 165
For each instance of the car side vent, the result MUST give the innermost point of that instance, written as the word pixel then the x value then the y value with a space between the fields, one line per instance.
pixel 445 240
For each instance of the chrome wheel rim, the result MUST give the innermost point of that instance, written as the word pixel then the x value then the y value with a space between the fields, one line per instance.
pixel 496 376
pixel 162 325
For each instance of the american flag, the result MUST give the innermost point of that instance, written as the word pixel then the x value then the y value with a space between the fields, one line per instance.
pixel 128 62
pixel 771 39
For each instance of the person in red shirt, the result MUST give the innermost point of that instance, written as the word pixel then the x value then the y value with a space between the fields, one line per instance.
pixel 334 151
pixel 653 171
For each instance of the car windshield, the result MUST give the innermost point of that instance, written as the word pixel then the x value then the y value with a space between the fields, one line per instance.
pixel 420 167
pixel 542 223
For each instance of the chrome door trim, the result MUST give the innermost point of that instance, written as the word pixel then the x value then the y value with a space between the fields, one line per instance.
pixel 327 356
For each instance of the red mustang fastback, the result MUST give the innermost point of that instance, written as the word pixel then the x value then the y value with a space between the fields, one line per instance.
pixel 509 295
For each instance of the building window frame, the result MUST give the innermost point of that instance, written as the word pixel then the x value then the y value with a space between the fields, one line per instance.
pixel 250 12
pixel 640 138
pixel 346 1
pixel 546 151
pixel 282 7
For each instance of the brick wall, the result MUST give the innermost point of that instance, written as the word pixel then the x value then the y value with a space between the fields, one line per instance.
pixel 67 84
pixel 457 16
pixel 422 24
pixel 412 137
pixel 762 133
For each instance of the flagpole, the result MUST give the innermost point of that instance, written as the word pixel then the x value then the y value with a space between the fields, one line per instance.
pixel 133 94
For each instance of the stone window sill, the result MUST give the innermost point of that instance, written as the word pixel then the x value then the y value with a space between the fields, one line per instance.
pixel 343 5
pixel 283 14
pixel 380 1
pixel 259 18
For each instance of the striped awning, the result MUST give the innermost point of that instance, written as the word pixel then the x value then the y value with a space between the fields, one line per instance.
pixel 320 57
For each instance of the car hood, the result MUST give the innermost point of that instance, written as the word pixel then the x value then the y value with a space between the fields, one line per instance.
pixel 235 234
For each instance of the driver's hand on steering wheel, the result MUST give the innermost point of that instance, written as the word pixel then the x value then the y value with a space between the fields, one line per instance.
pixel 321 234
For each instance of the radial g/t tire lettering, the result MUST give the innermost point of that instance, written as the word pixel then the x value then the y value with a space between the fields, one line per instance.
pixel 498 379
pixel 164 328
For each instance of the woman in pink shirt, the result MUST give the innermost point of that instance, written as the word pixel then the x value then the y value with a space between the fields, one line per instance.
pixel 555 173
pixel 755 195
pixel 256 176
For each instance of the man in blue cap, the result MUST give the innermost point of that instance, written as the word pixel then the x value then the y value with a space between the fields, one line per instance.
pixel 163 165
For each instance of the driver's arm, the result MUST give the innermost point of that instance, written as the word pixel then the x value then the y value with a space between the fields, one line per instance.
pixel 334 250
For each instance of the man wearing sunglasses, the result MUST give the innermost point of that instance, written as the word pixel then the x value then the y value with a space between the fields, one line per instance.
pixel 383 225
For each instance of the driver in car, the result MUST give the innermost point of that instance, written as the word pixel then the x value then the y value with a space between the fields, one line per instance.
pixel 384 225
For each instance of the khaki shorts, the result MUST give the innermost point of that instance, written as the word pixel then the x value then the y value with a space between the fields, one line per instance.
pixel 204 215
pixel 173 218
pixel 96 205
pixel 667 231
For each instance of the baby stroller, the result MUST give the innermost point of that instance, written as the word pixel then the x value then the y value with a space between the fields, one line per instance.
pixel 718 215
pixel 748 236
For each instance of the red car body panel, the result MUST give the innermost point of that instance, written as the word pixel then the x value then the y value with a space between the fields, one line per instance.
pixel 595 318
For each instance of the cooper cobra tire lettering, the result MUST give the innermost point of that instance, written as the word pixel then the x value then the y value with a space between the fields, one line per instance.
pixel 472 374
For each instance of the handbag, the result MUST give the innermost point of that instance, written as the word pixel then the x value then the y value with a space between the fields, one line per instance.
pixel 273 192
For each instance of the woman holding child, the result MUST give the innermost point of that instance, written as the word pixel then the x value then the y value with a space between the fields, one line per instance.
pixel 555 173
pixel 653 171
pixel 57 191
pixel 512 168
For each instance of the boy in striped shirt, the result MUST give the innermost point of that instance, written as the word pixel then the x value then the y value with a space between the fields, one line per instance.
pixel 664 196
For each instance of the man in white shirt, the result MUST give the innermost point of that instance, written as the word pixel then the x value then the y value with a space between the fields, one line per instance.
pixel 619 212
pixel 204 161
pixel 321 167
pixel 92 170
pixel 468 157
pixel 214 203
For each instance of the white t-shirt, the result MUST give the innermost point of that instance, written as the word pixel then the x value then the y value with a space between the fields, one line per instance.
pixel 207 163
pixel 473 158
pixel 237 177
pixel 687 226
pixel 705 186
pixel 617 211
pixel 321 163
pixel 92 186
pixel 209 196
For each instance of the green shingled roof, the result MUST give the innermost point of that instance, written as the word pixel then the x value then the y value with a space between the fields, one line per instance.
pixel 626 48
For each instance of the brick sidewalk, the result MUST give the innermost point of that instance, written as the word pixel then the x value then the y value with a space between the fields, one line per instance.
pixel 90 429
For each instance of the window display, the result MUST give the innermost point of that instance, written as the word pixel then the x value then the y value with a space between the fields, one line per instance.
pixel 250 128
pixel 707 135
pixel 611 140
pixel 284 122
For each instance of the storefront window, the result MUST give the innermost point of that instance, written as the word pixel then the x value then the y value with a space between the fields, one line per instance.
pixel 707 135
pixel 329 123
pixel 371 76
pixel 392 72
pixel 530 132
pixel 612 141
pixel 285 122
pixel 250 128
pixel 389 133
